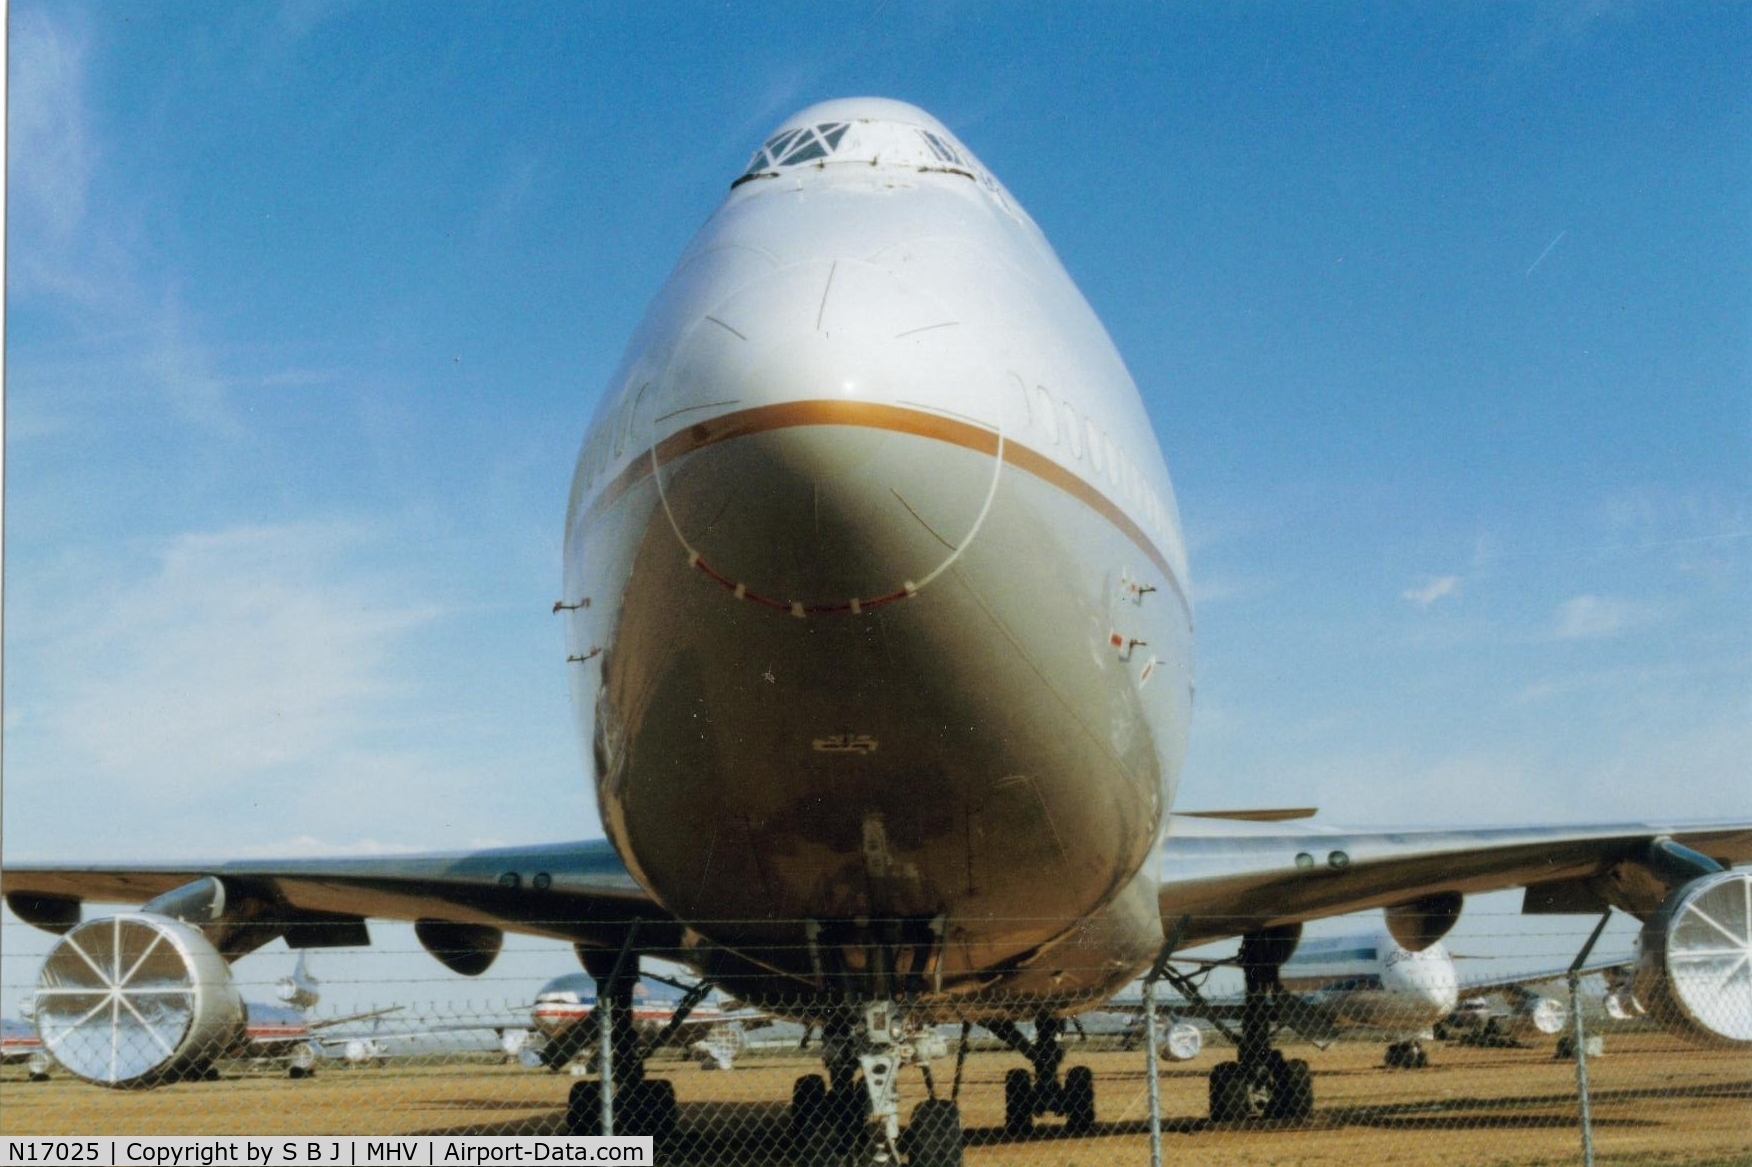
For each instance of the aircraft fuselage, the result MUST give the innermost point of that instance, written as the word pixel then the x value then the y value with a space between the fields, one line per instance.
pixel 886 666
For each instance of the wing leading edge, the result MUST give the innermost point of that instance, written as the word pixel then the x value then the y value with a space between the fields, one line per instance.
pixel 1228 878
pixel 571 891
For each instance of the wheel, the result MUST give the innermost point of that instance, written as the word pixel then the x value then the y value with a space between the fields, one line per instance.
pixel 1292 1095
pixel 1420 1057
pixel 808 1109
pixel 934 1135
pixel 1018 1102
pixel 297 1073
pixel 584 1108
pixel 1079 1100
pixel 1229 1093
pixel 649 1109
pixel 848 1112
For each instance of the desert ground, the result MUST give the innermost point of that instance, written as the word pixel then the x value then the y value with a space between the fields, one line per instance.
pixel 1655 1100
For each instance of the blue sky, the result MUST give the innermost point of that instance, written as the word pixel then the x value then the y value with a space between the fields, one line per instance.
pixel 1443 315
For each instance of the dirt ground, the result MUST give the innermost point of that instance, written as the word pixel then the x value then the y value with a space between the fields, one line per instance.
pixel 1654 1099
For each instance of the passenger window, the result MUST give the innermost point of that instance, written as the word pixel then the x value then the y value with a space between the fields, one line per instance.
pixel 1071 433
pixel 1022 394
pixel 1048 422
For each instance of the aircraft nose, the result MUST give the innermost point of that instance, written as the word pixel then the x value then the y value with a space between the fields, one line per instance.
pixel 847 491
pixel 1437 982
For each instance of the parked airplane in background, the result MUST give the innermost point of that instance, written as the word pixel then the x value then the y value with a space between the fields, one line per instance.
pixel 880 642
pixel 664 1013
pixel 19 1043
pixel 1356 980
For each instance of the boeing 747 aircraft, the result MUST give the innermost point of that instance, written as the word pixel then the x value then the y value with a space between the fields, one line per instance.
pixel 881 648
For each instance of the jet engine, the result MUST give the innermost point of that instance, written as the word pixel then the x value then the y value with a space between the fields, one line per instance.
pixel 1533 1016
pixel 137 999
pixel 1695 973
pixel 1181 1043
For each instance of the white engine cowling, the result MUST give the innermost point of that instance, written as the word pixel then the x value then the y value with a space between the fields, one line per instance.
pixel 135 1000
pixel 1695 975
pixel 1181 1043
pixel 1534 1015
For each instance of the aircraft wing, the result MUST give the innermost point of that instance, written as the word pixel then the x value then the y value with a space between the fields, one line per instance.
pixel 1228 877
pixel 571 891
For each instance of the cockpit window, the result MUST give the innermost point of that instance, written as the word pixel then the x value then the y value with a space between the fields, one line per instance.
pixel 795 146
pixel 938 147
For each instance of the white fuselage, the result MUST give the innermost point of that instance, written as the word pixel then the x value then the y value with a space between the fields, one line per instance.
pixel 887 613
pixel 1371 980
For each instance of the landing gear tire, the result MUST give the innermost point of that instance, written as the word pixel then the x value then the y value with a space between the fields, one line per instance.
pixel 650 1110
pixel 1018 1102
pixel 1078 1100
pixel 1406 1055
pixel 933 1138
pixel 1229 1101
pixel 808 1114
pixel 848 1117
pixel 584 1108
pixel 640 1108
pixel 1292 1096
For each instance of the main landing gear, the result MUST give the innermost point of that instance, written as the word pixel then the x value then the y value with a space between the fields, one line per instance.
pixel 1406 1055
pixel 1261 1083
pixel 1042 1092
pixel 640 1105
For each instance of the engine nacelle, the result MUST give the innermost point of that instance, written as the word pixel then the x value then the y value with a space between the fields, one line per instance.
pixel 1417 924
pixel 137 999
pixel 1535 1016
pixel 1695 974
pixel 1183 1042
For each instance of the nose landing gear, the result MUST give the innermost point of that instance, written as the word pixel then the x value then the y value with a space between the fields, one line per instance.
pixel 871 1046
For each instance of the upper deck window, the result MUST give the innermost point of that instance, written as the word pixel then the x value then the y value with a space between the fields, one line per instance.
pixel 794 146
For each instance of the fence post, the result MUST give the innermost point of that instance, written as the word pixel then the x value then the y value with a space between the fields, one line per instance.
pixel 1151 1073
pixel 605 1010
pixel 1575 982
pixel 1580 1038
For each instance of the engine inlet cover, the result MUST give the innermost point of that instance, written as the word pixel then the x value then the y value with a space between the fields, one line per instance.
pixel 136 999
pixel 1696 970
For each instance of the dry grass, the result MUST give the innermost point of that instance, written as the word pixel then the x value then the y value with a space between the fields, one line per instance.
pixel 1655 1100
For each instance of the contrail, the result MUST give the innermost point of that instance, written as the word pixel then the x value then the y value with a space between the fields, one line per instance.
pixel 1547 251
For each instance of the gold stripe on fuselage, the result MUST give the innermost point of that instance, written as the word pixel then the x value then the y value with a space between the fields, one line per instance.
pixel 895 419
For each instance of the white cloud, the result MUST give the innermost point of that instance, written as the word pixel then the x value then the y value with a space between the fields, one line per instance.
pixel 1436 588
pixel 1590 617
pixel 46 122
pixel 51 157
pixel 311 847
pixel 235 655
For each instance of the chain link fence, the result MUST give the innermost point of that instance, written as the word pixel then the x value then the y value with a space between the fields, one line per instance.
pixel 1366 1069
